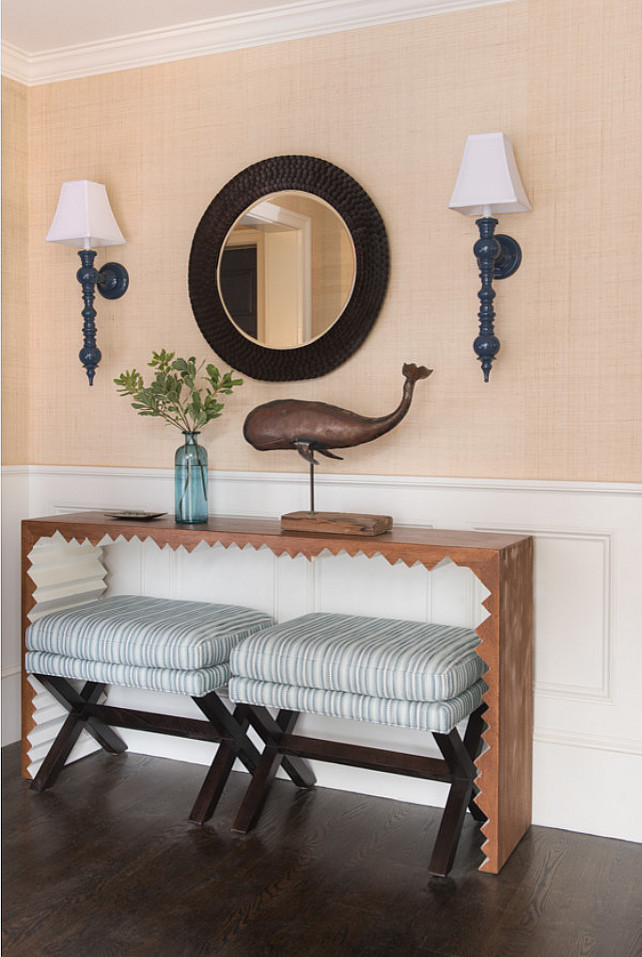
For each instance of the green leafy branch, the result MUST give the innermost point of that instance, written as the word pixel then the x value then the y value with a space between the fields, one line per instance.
pixel 176 394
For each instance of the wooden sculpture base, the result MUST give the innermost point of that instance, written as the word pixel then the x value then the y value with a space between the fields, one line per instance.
pixel 336 523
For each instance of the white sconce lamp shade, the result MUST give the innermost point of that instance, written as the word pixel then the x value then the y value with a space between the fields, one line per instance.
pixel 488 180
pixel 84 218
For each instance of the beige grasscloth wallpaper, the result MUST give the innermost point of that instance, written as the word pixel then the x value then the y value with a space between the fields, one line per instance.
pixel 392 105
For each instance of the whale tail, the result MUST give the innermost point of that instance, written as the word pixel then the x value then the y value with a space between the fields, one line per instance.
pixel 413 373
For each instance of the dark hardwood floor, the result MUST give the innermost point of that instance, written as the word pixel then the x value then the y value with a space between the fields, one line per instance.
pixel 106 864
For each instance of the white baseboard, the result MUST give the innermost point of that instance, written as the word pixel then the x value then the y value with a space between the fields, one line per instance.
pixel 587 604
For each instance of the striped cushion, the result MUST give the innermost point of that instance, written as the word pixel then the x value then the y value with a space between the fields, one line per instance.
pixel 377 657
pixel 147 632
pixel 198 682
pixel 439 716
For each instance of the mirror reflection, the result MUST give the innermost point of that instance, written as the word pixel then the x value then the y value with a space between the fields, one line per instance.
pixel 286 270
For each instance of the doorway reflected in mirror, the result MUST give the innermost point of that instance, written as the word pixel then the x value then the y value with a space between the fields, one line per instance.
pixel 287 270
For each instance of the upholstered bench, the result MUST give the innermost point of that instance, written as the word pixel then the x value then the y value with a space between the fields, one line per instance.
pixel 154 644
pixel 408 674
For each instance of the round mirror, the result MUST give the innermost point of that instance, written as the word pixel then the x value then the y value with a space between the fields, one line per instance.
pixel 288 269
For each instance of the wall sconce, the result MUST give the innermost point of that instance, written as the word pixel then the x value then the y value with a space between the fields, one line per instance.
pixel 489 182
pixel 84 219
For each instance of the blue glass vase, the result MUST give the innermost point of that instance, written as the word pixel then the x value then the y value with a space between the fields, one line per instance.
pixel 190 481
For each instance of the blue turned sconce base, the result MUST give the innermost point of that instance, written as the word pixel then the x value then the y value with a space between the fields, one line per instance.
pixel 112 282
pixel 498 257
pixel 190 481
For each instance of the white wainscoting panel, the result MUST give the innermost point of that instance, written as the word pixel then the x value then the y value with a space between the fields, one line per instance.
pixel 588 653
pixel 574 621
pixel 15 506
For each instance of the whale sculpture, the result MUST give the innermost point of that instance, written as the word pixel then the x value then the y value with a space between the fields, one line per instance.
pixel 311 427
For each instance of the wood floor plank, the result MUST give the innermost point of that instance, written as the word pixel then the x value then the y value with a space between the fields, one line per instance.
pixel 106 864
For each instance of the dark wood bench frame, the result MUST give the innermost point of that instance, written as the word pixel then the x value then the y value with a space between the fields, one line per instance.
pixel 99 720
pixel 456 768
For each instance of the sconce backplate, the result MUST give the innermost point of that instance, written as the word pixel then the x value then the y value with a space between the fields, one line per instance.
pixel 509 259
pixel 113 280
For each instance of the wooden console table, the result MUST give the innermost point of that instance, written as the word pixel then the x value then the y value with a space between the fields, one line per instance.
pixel 503 563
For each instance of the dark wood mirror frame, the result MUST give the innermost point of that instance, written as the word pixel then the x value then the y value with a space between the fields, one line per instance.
pixel 320 178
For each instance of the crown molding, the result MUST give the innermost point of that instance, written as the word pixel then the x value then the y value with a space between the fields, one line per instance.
pixel 220 34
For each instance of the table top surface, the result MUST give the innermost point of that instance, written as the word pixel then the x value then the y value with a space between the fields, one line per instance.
pixel 222 528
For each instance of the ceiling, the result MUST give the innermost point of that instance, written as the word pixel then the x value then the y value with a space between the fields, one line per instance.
pixel 44 41
pixel 36 26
